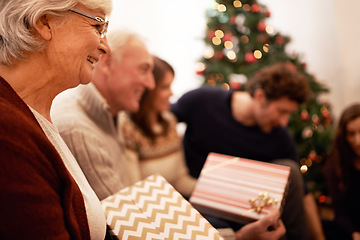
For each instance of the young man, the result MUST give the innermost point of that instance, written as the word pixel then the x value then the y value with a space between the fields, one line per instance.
pixel 251 125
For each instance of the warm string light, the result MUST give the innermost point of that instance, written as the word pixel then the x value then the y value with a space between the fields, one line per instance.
pixel 303 168
pixel 257 54
pixel 231 55
pixel 246 7
pixel 209 53
pixel 200 67
pixel 228 45
pixel 237 4
pixel 225 86
pixel 269 29
pixel 266 47
pixel 216 41
pixel 221 8
pixel 306 163
pixel 219 33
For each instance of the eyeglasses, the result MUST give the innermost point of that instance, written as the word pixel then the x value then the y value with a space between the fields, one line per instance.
pixel 102 28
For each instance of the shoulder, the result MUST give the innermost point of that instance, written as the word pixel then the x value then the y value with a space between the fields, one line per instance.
pixel 22 139
pixel 68 115
pixel 131 132
pixel 126 124
pixel 204 92
pixel 169 117
pixel 197 98
pixel 18 126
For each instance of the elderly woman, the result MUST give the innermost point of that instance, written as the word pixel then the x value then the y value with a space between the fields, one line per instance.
pixel 45 48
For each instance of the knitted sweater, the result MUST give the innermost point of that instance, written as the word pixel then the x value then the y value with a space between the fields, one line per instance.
pixel 164 156
pixel 86 124
pixel 39 199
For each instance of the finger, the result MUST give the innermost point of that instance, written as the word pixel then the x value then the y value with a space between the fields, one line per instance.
pixel 280 230
pixel 270 219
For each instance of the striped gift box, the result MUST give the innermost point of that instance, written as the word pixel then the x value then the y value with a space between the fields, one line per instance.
pixel 238 189
pixel 153 209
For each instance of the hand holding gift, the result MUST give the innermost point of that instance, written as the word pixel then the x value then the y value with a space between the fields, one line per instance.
pixel 238 189
pixel 269 227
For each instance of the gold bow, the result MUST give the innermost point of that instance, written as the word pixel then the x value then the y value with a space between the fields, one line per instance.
pixel 263 200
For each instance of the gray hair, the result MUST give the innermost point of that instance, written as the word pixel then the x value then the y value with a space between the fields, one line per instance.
pixel 119 39
pixel 18 18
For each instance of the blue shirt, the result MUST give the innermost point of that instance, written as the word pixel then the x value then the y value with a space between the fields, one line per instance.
pixel 212 128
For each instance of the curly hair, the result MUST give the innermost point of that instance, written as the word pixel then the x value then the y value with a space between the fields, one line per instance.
pixel 280 80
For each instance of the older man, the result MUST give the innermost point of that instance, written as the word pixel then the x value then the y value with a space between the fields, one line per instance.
pixel 87 115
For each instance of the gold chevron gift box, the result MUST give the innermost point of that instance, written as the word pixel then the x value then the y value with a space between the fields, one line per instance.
pixel 153 209
pixel 239 189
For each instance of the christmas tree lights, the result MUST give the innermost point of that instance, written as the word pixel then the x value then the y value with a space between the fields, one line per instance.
pixel 240 42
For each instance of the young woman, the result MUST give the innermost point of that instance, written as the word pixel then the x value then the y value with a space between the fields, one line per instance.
pixel 151 137
pixel 343 173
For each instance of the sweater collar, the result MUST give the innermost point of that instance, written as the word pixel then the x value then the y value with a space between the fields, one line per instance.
pixel 95 106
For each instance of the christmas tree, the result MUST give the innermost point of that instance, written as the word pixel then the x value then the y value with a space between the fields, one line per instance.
pixel 239 42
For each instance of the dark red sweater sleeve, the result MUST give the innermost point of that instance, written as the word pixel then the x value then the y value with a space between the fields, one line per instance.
pixel 38 197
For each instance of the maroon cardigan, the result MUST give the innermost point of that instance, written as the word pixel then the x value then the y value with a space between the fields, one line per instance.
pixel 38 197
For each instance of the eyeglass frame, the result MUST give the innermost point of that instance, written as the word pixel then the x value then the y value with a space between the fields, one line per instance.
pixel 98 19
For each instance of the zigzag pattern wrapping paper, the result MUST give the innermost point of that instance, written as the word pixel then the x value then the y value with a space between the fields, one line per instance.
pixel 153 209
pixel 227 183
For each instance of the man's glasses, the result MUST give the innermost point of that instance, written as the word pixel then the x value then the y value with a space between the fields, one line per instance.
pixel 104 24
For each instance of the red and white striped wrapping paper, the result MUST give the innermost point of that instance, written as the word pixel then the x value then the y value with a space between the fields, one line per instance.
pixel 227 183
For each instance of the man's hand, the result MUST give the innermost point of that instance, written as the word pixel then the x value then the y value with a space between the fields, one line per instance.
pixel 259 230
pixel 356 236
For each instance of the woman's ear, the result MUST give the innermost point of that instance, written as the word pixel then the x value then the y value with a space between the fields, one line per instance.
pixel 43 27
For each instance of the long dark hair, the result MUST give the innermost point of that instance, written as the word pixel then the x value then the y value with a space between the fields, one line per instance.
pixel 141 118
pixel 342 155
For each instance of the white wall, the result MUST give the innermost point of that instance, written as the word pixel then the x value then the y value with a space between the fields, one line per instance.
pixel 311 26
pixel 174 30
pixel 323 32
pixel 347 87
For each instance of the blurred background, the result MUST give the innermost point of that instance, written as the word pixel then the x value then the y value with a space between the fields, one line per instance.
pixel 323 33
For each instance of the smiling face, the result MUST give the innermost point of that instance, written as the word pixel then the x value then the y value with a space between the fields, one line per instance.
pixel 75 47
pixel 353 135
pixel 162 93
pixel 271 114
pixel 129 77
